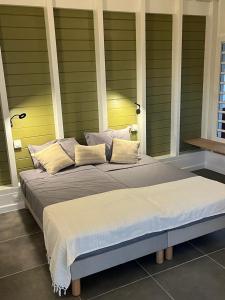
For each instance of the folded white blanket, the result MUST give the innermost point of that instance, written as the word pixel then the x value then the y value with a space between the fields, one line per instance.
pixel 87 224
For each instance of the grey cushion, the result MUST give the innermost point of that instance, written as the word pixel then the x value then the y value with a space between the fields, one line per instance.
pixel 36 148
pixel 122 134
pixel 106 137
pixel 68 145
pixel 96 138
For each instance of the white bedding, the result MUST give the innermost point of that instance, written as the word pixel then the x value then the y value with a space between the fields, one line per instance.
pixel 80 226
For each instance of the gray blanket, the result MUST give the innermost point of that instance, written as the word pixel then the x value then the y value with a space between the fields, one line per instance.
pixel 41 189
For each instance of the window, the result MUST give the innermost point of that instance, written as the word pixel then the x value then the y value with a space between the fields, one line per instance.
pixel 221 107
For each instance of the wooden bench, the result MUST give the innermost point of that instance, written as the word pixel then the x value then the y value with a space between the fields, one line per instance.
pixel 208 145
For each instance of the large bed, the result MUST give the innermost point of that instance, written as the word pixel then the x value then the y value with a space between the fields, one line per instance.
pixel 41 190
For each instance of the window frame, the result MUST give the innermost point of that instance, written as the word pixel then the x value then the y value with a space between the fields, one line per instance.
pixel 221 61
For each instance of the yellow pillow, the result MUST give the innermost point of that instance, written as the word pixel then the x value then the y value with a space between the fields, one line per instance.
pixel 125 152
pixel 90 155
pixel 53 158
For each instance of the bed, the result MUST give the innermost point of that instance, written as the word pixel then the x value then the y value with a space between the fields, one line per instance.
pixel 41 190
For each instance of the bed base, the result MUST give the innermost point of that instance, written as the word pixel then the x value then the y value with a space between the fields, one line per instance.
pixel 115 256
pixel 178 236
pixel 169 253
pixel 160 257
pixel 27 206
pixel 155 243
pixel 76 289
pixel 76 283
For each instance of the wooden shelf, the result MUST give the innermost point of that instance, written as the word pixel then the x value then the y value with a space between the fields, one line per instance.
pixel 208 145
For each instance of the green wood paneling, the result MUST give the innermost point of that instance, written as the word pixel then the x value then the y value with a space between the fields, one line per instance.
pixel 192 78
pixel 25 59
pixel 76 55
pixel 120 54
pixel 4 165
pixel 158 90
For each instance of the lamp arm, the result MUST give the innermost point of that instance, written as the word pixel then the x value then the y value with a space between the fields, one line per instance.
pixel 12 119
pixel 138 110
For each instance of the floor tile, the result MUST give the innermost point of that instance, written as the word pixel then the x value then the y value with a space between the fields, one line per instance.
pixel 201 279
pixel 33 284
pixel 22 254
pixel 17 223
pixel 219 256
pixel 210 242
pixel 210 175
pixel 145 289
pixel 110 279
pixel 182 253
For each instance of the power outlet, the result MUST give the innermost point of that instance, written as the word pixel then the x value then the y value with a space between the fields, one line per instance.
pixel 17 144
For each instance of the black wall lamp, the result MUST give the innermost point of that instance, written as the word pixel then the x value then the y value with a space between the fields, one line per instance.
pixel 20 116
pixel 138 110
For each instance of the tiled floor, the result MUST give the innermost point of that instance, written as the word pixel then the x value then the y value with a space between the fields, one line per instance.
pixel 197 271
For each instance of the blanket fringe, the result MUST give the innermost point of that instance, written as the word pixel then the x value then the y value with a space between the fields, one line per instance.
pixel 57 288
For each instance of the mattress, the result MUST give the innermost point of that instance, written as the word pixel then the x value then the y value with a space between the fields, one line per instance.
pixel 42 189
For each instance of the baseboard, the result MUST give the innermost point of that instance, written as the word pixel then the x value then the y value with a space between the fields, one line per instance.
pixel 10 199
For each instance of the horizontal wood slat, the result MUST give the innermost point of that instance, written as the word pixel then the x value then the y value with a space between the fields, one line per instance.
pixel 192 79
pixel 76 56
pixel 25 58
pixel 158 90
pixel 4 165
pixel 120 53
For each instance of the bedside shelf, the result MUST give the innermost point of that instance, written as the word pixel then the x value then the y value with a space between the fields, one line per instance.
pixel 208 145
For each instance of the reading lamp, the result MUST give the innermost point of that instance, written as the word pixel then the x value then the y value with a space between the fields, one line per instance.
pixel 20 116
pixel 138 110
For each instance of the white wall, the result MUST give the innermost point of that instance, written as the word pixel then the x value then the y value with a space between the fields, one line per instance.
pixel 221 26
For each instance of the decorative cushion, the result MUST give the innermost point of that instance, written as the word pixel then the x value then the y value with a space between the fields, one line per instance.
pixel 68 145
pixel 122 134
pixel 36 148
pixel 96 138
pixel 53 158
pixel 90 155
pixel 125 152
pixel 106 137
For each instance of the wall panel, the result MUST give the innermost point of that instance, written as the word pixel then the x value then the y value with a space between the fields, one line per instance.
pixel 158 91
pixel 4 165
pixel 120 54
pixel 192 78
pixel 25 58
pixel 76 56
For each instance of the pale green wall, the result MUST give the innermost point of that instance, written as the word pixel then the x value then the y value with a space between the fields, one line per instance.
pixel 158 92
pixel 25 57
pixel 4 166
pixel 76 55
pixel 120 54
pixel 192 78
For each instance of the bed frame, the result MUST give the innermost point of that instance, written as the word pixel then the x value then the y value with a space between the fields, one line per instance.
pixel 158 242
